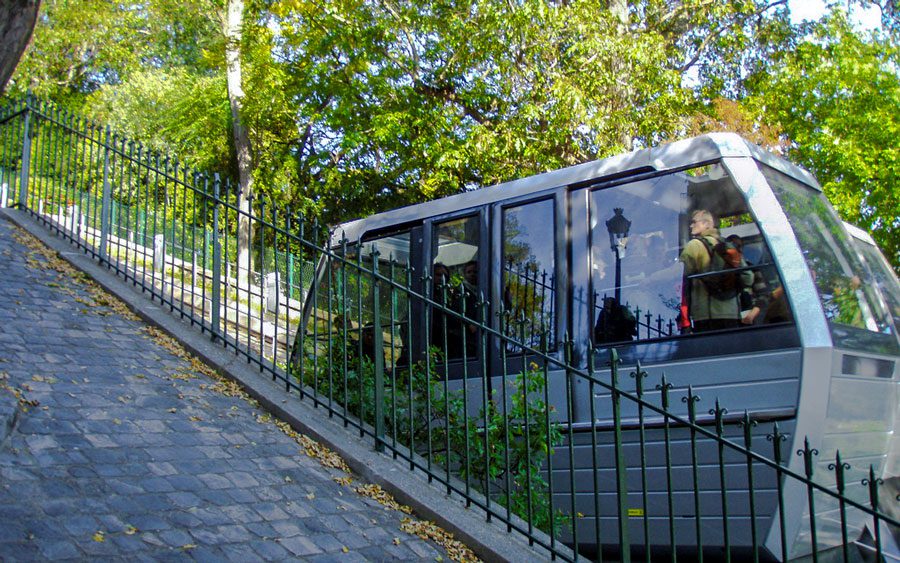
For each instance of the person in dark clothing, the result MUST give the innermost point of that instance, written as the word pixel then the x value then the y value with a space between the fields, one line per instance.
pixel 615 323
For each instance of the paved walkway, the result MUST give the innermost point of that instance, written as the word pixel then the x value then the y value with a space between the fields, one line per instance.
pixel 114 446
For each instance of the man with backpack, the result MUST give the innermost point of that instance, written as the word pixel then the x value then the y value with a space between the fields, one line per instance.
pixel 715 281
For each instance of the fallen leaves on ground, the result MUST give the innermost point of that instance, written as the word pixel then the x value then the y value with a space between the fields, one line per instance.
pixel 18 392
pixel 426 530
pixel 382 497
pixel 41 258
pixel 99 298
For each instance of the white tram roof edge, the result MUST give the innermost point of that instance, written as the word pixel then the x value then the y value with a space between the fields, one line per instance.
pixel 678 154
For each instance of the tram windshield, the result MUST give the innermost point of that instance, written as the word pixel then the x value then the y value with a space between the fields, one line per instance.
pixel 853 306
pixel 885 279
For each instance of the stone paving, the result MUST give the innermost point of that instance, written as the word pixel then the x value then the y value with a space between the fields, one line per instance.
pixel 114 447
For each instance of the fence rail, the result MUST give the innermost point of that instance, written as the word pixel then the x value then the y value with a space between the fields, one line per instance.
pixel 649 477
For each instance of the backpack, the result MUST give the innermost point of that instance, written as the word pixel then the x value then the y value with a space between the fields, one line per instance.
pixel 724 257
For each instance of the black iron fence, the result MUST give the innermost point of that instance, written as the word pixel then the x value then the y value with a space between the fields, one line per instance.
pixel 599 459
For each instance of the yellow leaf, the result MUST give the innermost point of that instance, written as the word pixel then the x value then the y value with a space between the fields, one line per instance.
pixel 396 541
pixel 116 421
pixel 189 546
pixel 130 530
pixel 37 378
pixel 311 496
pixel 345 549
pixel 98 537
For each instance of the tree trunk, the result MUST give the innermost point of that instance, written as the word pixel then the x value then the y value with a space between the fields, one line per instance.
pixel 233 34
pixel 17 19
pixel 619 10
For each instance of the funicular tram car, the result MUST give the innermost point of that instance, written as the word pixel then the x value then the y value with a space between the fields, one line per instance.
pixel 568 252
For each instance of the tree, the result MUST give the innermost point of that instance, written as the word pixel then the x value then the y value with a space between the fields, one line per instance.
pixel 233 39
pixel 403 101
pixel 82 47
pixel 837 100
pixel 18 17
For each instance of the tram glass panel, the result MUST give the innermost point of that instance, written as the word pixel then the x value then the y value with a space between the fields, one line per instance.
pixel 455 284
pixel 529 281
pixel 640 235
pixel 343 298
pixel 857 316
pixel 885 279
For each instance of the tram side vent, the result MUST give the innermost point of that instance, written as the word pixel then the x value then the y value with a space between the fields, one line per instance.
pixel 867 367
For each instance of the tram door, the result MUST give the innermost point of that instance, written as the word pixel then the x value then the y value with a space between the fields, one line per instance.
pixel 529 283
pixel 457 262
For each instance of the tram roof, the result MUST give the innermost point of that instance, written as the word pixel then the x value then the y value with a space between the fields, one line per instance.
pixel 679 154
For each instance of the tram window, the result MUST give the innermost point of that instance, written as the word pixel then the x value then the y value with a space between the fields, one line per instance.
pixel 885 279
pixel 456 284
pixel 348 297
pixel 846 288
pixel 529 283
pixel 646 285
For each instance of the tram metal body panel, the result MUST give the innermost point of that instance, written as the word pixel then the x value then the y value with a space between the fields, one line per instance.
pixel 804 386
pixel 706 148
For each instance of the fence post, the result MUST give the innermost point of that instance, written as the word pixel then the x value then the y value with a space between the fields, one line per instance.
pixel 621 482
pixel 217 262
pixel 159 254
pixel 26 156
pixel 4 194
pixel 104 208
pixel 290 272
pixel 378 354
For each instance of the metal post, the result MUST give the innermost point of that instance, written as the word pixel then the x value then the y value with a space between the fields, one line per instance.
pixel 4 194
pixel 290 276
pixel 159 254
pixel 26 156
pixel 104 209
pixel 217 262
pixel 621 482
pixel 618 277
pixel 193 269
pixel 378 355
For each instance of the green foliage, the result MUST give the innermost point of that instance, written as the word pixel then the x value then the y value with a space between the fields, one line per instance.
pixel 500 450
pixel 836 98
pixel 358 107
pixel 172 111
pixel 78 47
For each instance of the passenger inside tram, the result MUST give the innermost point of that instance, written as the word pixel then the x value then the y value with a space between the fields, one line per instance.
pixel 664 278
pixel 714 299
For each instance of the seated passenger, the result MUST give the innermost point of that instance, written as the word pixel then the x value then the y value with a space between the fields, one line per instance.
pixel 713 301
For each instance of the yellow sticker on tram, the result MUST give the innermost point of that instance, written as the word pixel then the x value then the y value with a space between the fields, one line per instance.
pixel 635 512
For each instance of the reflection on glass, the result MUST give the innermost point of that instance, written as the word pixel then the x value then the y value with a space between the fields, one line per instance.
pixel 885 279
pixel 645 287
pixel 845 286
pixel 344 299
pixel 528 283
pixel 646 300
pixel 455 285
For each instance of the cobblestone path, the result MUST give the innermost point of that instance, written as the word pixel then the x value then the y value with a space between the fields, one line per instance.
pixel 121 450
